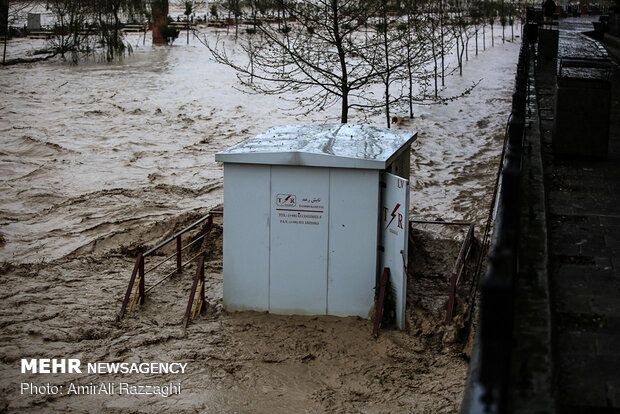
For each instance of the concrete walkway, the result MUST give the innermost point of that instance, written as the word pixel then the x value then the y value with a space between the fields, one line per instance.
pixel 583 232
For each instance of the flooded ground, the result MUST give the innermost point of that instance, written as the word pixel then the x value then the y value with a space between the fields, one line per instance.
pixel 100 159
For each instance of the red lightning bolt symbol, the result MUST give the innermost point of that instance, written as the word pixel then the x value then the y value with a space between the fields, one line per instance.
pixel 393 214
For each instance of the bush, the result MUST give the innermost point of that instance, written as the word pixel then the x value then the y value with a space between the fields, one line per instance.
pixel 169 33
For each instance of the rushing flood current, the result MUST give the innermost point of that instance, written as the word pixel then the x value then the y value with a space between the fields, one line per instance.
pixel 93 150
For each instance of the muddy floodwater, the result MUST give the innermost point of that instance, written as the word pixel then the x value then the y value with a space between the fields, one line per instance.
pixel 101 160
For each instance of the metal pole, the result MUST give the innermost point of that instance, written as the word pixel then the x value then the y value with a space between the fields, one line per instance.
pixel 381 299
pixel 130 287
pixel 456 272
pixel 141 272
pixel 179 264
pixel 192 292
pixel 202 291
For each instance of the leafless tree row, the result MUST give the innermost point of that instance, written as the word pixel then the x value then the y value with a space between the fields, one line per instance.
pixel 329 52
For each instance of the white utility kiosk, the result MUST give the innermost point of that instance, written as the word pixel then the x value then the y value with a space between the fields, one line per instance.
pixel 312 215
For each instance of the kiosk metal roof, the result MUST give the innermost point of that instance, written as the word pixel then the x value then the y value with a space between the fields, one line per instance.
pixel 330 145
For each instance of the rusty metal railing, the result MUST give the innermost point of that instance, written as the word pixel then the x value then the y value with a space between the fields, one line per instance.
pixel 140 291
pixel 487 389
pixel 457 270
pixel 200 301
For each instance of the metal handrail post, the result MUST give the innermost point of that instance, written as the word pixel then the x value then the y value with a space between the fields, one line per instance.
pixel 192 293
pixel 456 272
pixel 141 270
pixel 179 263
pixel 202 291
pixel 130 287
pixel 380 300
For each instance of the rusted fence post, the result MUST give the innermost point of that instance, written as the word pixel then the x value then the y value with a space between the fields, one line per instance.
pixel 202 284
pixel 132 280
pixel 140 272
pixel 380 300
pixel 457 270
pixel 142 296
pixel 179 264
pixel 200 275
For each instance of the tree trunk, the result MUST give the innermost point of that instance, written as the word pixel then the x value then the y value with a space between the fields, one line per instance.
pixel 160 18
pixel 476 40
pixel 388 69
pixel 443 53
pixel 344 107
pixel 434 66
pixel 467 50
pixel 344 80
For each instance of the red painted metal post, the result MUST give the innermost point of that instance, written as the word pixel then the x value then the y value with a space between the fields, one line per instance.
pixel 141 288
pixel 202 291
pixel 192 292
pixel 132 280
pixel 456 272
pixel 179 264
pixel 381 299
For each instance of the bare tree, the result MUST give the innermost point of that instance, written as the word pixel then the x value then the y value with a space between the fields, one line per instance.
pixel 322 56
pixel 109 15
pixel 477 17
pixel 69 30
pixel 234 8
pixel 415 41
pixel 371 56
pixel 458 26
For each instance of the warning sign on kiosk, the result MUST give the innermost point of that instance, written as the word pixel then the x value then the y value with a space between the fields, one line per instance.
pixel 394 238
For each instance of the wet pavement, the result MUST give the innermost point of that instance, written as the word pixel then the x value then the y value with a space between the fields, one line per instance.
pixel 582 197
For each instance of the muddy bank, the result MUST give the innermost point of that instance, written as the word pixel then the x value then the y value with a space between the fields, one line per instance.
pixel 241 362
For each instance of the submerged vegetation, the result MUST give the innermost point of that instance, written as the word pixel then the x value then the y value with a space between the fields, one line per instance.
pixel 83 26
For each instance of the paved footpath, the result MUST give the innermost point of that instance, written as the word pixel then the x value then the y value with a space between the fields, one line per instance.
pixel 583 230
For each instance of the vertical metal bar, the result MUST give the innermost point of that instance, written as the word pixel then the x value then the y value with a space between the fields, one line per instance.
pixel 456 272
pixel 202 291
pixel 381 299
pixel 192 293
pixel 129 288
pixel 179 264
pixel 141 267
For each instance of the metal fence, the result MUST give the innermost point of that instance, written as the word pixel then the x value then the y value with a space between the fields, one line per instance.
pixel 488 376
